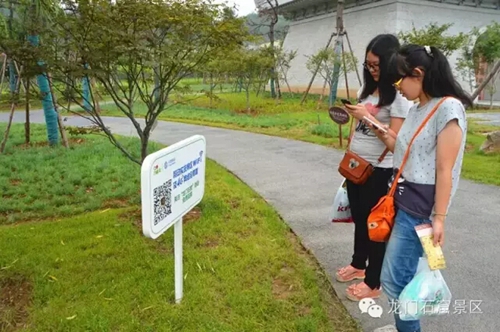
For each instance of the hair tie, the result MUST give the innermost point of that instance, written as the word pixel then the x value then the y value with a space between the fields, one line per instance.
pixel 428 51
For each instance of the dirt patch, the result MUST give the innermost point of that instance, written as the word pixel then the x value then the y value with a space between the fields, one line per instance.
pixel 15 298
pixel 281 290
pixel 71 141
pixel 252 112
pixel 113 203
pixel 192 215
pixel 15 182
pixel 469 148
pixel 234 204
pixel 134 215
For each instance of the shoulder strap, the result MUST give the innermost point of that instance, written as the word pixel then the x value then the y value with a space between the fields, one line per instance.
pixel 417 132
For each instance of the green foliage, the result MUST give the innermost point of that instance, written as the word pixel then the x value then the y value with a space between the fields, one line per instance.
pixel 488 43
pixel 258 25
pixel 479 46
pixel 434 34
pixel 327 60
pixel 138 50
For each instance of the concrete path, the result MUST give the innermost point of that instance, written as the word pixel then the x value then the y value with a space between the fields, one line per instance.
pixel 300 180
pixel 492 119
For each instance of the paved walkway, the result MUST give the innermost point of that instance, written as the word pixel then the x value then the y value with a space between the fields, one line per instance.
pixel 300 179
pixel 492 119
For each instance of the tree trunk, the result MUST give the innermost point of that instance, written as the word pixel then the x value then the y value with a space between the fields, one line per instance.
pixel 12 76
pixel 211 89
pixel 59 119
pixel 47 102
pixel 27 134
pixel 144 147
pixel 248 99
pixel 488 78
pixel 11 117
pixel 273 68
pixel 86 92
pixel 4 67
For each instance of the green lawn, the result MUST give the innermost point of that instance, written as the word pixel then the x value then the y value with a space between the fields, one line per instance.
pixel 288 119
pixel 87 267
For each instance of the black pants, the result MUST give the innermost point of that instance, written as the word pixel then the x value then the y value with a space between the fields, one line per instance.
pixel 362 198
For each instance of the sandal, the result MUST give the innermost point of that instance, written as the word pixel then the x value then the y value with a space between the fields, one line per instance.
pixel 349 273
pixel 361 291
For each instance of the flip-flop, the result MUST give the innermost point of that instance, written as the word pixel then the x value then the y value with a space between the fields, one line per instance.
pixel 346 277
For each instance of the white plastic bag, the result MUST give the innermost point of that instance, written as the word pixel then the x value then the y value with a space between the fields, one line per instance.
pixel 426 295
pixel 341 211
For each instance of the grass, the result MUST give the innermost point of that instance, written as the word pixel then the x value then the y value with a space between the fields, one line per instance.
pixel 477 165
pixel 42 182
pixel 90 269
pixel 306 124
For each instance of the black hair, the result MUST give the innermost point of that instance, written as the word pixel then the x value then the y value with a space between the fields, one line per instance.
pixel 438 76
pixel 384 46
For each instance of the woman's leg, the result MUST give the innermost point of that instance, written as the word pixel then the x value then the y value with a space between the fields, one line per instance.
pixel 401 261
pixel 370 193
pixel 360 228
pixel 358 263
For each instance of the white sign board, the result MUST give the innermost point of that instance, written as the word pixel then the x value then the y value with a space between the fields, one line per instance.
pixel 172 183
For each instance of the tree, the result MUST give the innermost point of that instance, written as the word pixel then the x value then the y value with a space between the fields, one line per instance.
pixel 325 61
pixel 467 62
pixel 252 68
pixel 487 51
pixel 270 18
pixel 26 21
pixel 139 50
pixel 434 35
pixel 284 60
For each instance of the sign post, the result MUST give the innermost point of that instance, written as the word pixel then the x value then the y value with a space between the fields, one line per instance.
pixel 172 183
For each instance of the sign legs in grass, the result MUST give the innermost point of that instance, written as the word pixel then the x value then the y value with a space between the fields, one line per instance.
pixel 172 184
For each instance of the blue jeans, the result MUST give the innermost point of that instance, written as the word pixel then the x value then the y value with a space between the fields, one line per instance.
pixel 400 263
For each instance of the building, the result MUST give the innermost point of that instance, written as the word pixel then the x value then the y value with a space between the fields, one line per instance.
pixel 313 21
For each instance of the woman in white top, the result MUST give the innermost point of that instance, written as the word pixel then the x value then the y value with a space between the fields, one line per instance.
pixel 378 100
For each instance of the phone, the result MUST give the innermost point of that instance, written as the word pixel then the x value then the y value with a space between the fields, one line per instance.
pixel 375 125
pixel 345 102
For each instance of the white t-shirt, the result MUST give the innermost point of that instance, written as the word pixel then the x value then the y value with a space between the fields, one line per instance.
pixel 417 185
pixel 364 141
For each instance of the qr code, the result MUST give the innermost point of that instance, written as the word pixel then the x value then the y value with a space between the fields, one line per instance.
pixel 163 201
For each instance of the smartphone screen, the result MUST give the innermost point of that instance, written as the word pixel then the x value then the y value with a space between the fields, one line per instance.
pixel 375 124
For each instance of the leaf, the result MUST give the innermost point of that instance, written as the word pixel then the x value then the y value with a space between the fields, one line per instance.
pixel 71 317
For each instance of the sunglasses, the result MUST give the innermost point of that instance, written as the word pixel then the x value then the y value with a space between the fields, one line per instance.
pixel 398 83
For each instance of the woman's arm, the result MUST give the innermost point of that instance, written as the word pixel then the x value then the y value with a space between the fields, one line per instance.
pixel 389 138
pixel 448 146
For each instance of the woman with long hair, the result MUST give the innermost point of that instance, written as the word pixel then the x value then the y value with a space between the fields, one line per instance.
pixel 432 171
pixel 378 100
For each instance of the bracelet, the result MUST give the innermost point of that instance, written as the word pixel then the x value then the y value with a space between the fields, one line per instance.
pixel 440 214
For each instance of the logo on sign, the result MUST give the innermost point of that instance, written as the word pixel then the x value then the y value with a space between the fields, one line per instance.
pixel 156 169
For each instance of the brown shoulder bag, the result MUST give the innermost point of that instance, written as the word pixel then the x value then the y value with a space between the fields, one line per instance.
pixel 353 167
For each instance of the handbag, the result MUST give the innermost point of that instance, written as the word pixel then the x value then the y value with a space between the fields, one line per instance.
pixel 381 218
pixel 353 167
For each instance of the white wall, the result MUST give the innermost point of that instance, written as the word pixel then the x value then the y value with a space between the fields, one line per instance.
pixel 365 22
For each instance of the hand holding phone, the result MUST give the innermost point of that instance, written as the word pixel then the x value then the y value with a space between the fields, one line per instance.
pixel 345 102
pixel 375 125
